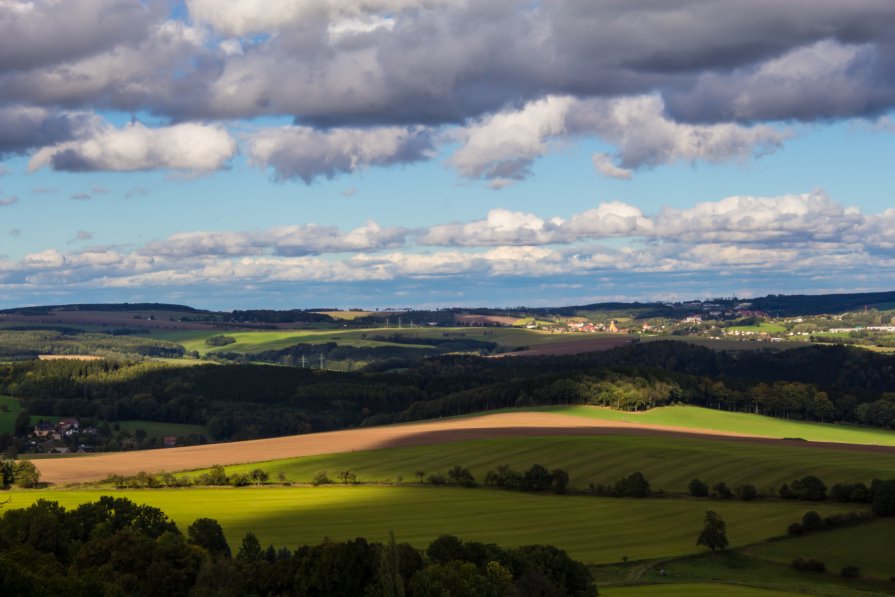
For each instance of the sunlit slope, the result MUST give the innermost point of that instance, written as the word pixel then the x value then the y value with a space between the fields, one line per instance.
pixel 668 463
pixel 594 530
pixel 706 419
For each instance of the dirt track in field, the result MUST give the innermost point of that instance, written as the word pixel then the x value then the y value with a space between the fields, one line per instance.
pixel 95 468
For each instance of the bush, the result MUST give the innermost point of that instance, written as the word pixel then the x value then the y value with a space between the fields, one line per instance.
pixel 850 492
pixel 850 572
pixel 698 488
pixel 240 480
pixel 883 497
pixel 634 485
pixel 746 492
pixel 812 521
pixel 462 477
pixel 810 489
pixel 795 528
pixel 436 479
pixel 809 565
pixel 321 478
pixel 219 340
pixel 721 491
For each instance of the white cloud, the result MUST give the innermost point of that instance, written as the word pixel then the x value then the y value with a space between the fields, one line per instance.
pixel 502 147
pixel 9 200
pixel 307 153
pixel 605 165
pixel 189 146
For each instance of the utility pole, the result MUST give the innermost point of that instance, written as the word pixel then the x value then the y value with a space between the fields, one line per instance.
pixel 304 361
pixel 321 360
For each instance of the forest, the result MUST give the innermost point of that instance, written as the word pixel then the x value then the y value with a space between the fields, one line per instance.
pixel 818 383
pixel 116 547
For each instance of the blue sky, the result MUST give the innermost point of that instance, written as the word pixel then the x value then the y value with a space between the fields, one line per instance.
pixel 328 154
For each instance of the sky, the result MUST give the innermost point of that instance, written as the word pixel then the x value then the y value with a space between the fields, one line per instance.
pixel 434 153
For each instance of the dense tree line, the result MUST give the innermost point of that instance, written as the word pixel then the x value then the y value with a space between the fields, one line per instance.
pixel 24 343
pixel 114 546
pixel 246 401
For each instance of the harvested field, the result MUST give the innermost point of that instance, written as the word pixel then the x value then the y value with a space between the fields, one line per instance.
pixel 69 357
pixel 485 320
pixel 101 466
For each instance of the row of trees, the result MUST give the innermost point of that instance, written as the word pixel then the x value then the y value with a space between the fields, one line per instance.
pixel 114 546
pixel 250 401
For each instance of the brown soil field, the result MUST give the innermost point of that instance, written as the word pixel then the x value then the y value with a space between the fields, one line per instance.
pixel 572 346
pixel 98 467
pixel 69 357
pixel 485 320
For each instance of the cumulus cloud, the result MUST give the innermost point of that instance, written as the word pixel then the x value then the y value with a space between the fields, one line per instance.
pixel 27 127
pixel 306 153
pixel 605 165
pixel 296 240
pixel 799 236
pixel 827 79
pixel 503 146
pixel 189 146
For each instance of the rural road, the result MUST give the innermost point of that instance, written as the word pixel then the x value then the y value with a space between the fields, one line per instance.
pixel 97 467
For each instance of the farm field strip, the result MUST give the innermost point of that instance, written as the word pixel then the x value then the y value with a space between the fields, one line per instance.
pixel 261 340
pixel 668 463
pixel 705 419
pixel 594 530
pixel 868 546
pixel 433 432
pixel 694 590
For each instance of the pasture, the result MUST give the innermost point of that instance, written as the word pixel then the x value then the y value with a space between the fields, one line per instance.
pixel 868 546
pixel 693 590
pixel 697 418
pixel 593 530
pixel 9 409
pixel 668 463
pixel 250 342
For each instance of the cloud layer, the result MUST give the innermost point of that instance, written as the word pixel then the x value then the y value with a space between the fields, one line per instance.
pixel 385 82
pixel 801 236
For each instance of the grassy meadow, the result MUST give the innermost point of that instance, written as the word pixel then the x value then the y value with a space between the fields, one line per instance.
pixel 697 418
pixel 255 341
pixel 594 530
pixel 868 546
pixel 693 590
pixel 668 463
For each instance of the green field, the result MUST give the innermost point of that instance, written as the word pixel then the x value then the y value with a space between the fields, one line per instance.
pixel 668 463
pixel 868 546
pixel 9 408
pixel 696 418
pixel 594 530
pixel 262 340
pixel 738 568
pixel 763 327
pixel 693 590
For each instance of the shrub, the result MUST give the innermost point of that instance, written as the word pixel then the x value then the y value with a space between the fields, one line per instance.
pixel 746 492
pixel 219 340
pixel 850 492
pixel 634 485
pixel 812 521
pixel 795 528
pixel 721 491
pixel 461 476
pixel 809 565
pixel 810 489
pixel 698 488
pixel 850 572
pixel 321 478
pixel 240 480
pixel 436 479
